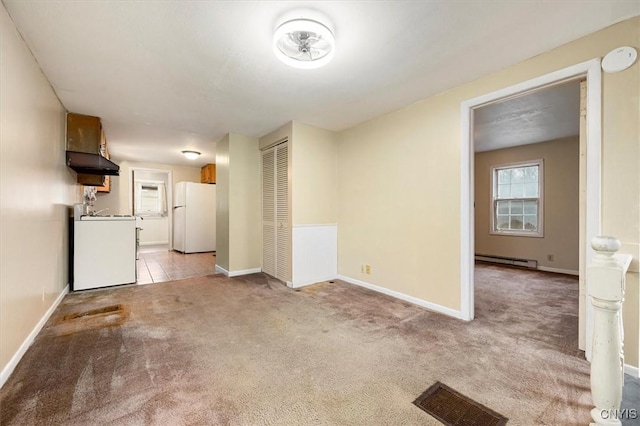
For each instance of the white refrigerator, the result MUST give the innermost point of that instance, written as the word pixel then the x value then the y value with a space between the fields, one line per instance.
pixel 194 217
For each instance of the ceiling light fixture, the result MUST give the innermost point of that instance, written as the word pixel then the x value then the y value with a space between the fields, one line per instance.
pixel 304 43
pixel 191 155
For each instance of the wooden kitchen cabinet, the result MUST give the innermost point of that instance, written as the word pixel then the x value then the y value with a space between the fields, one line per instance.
pixel 208 174
pixel 84 134
pixel 106 186
pixel 93 180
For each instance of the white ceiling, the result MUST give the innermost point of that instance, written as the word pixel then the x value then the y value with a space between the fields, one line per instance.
pixel 172 75
pixel 544 115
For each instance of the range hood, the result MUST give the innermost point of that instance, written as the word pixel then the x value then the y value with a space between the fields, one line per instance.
pixel 91 164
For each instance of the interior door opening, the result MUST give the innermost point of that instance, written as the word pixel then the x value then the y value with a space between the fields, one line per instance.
pixel 589 186
pixel 527 180
pixel 151 192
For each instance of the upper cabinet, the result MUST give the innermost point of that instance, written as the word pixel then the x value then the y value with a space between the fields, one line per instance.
pixel 208 174
pixel 85 135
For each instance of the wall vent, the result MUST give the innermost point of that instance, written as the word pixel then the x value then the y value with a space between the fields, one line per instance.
pixel 523 263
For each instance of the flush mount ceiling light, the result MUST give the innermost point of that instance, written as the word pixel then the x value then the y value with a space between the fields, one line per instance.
pixel 304 43
pixel 191 155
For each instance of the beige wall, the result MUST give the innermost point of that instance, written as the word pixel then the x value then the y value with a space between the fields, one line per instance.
pixel 314 175
pixel 245 230
pixel 399 175
pixel 238 215
pixel 561 191
pixel 37 189
pixel 222 203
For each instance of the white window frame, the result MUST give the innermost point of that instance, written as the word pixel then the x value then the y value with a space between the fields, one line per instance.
pixel 539 233
pixel 161 210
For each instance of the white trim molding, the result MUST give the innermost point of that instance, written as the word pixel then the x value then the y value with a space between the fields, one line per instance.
pixel 221 270
pixel 558 270
pixel 420 302
pixel 631 370
pixel 291 285
pixel 589 69
pixel 154 243
pixel 15 359
pixel 231 274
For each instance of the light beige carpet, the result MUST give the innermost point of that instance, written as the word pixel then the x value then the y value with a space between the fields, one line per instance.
pixel 215 350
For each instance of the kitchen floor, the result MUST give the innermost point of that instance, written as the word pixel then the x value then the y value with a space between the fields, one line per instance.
pixel 165 265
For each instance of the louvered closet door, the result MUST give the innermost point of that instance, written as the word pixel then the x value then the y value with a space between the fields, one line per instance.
pixel 269 212
pixel 282 212
pixel 275 212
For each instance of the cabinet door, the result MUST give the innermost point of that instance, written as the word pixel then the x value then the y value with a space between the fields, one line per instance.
pixel 91 180
pixel 107 185
pixel 84 133
pixel 208 174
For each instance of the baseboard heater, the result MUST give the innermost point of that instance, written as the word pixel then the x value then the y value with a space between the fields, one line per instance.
pixel 523 263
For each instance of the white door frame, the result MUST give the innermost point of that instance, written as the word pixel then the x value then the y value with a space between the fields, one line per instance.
pixel 589 69
pixel 169 174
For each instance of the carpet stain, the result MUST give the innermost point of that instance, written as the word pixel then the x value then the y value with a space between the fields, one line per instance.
pixel 108 316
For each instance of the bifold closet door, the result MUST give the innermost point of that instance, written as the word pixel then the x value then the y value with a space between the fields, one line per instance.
pixel 275 212
pixel 282 212
pixel 269 212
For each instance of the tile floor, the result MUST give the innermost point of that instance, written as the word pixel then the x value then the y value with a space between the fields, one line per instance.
pixel 165 265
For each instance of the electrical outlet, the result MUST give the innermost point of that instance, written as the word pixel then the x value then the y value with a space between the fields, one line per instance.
pixel 362 268
pixel 550 257
pixel 367 269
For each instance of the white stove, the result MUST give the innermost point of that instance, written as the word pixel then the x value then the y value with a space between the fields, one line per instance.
pixel 104 251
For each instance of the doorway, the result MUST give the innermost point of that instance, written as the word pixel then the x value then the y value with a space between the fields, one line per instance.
pixel 151 192
pixel 589 71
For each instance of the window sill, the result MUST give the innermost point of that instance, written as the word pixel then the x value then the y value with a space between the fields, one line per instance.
pixel 517 234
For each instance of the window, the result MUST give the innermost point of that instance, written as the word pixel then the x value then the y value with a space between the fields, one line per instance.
pixel 516 207
pixel 150 199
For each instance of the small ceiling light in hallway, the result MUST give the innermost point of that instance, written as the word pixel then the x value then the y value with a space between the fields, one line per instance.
pixel 304 43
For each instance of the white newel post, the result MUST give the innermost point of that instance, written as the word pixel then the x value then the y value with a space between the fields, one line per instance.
pixel 606 276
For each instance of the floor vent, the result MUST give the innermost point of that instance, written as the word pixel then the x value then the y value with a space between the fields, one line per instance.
pixel 454 409
pixel 523 263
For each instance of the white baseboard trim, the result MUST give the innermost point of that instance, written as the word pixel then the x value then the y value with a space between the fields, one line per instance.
pixel 238 273
pixel 244 272
pixel 558 270
pixel 315 225
pixel 221 270
pixel 15 359
pixel 631 370
pixel 304 284
pixel 420 302
pixel 153 243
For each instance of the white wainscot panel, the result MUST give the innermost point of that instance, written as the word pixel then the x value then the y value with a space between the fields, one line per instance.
pixel 315 253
